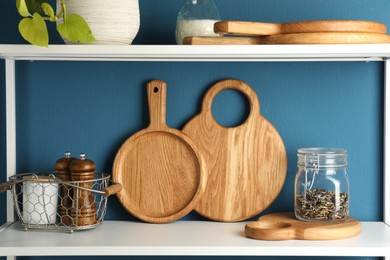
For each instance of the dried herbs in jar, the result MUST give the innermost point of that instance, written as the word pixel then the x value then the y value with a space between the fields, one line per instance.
pixel 320 204
pixel 322 185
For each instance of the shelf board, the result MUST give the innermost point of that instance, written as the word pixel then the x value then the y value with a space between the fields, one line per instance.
pixel 246 53
pixel 198 238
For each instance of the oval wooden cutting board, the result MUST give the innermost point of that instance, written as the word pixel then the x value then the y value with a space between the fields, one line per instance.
pixel 160 168
pixel 284 226
pixel 246 165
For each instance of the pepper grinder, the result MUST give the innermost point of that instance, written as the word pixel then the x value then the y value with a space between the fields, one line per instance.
pixel 84 207
pixel 66 192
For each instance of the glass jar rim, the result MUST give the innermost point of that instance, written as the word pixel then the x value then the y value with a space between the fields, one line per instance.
pixel 322 157
pixel 323 151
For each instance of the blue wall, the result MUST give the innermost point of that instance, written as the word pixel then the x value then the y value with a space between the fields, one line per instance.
pixel 93 107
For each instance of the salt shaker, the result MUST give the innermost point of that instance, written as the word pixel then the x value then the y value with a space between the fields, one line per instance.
pixel 322 185
pixel 84 207
pixel 62 167
pixel 196 18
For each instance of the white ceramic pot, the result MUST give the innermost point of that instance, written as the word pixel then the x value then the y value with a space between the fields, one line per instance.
pixel 111 21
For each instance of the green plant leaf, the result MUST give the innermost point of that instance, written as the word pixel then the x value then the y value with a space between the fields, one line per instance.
pixel 49 11
pixel 35 6
pixel 34 30
pixel 75 29
pixel 22 8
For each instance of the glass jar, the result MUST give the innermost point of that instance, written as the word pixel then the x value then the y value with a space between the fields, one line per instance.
pixel 322 185
pixel 196 18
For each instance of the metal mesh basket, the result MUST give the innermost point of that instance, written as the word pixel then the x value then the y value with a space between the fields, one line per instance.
pixel 43 201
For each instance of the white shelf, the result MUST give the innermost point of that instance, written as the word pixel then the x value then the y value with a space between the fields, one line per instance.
pixel 195 238
pixel 188 237
pixel 308 52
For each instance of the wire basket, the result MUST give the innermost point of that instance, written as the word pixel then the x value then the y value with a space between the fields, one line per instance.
pixel 43 201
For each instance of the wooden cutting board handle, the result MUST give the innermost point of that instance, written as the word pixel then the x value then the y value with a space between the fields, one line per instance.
pixel 247 28
pixel 243 88
pixel 270 230
pixel 212 40
pixel 157 98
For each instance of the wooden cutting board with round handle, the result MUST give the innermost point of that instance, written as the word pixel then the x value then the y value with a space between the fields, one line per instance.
pixel 246 165
pixel 284 226
pixel 160 168
pixel 292 38
pixel 317 26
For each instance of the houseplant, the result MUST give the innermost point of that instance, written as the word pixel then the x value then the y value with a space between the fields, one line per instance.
pixel 33 27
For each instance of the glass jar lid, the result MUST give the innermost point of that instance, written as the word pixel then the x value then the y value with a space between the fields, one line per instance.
pixel 322 157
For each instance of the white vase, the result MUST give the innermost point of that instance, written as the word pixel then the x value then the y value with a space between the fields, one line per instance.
pixel 111 21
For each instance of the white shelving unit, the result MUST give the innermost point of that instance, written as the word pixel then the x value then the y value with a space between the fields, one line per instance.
pixel 198 238
pixel 188 237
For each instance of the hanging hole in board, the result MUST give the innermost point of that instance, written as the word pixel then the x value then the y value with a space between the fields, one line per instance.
pixel 155 90
pixel 230 108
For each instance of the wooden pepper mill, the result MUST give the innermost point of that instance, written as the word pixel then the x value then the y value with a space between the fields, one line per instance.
pixel 84 207
pixel 66 192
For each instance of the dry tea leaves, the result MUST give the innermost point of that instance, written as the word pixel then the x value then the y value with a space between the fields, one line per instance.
pixel 319 204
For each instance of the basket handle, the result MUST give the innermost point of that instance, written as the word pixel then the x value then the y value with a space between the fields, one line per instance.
pixel 5 186
pixel 112 189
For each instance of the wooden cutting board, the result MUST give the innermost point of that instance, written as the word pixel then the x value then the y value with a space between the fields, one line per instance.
pixel 211 40
pixel 284 226
pixel 161 170
pixel 246 165
pixel 294 38
pixel 263 29
pixel 326 38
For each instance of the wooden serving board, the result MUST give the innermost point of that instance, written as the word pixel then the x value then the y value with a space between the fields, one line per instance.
pixel 246 164
pixel 294 38
pixel 211 40
pixel 284 226
pixel 326 38
pixel 263 29
pixel 160 168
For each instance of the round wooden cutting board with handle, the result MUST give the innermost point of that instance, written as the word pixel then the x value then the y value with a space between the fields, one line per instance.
pixel 246 165
pixel 293 38
pixel 316 26
pixel 160 168
pixel 285 226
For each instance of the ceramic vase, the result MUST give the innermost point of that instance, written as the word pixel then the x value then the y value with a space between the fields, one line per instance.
pixel 111 21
